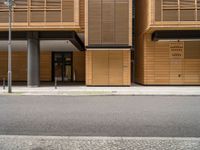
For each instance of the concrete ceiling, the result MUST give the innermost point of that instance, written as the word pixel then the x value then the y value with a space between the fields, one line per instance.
pixel 61 45
pixel 45 45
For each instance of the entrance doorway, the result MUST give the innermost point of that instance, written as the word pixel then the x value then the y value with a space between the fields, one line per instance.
pixel 62 66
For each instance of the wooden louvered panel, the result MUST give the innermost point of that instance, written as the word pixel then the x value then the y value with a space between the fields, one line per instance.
pixel 108 22
pixel 176 10
pixel 53 4
pixel 3 16
pixel 198 15
pixel 187 15
pixel 94 25
pixel 20 11
pixel 53 16
pixel 187 4
pixel 20 16
pixel 170 10
pixel 37 5
pixel 68 10
pixel 2 4
pixel 37 16
pixel 158 10
pixel 170 4
pixel 21 4
pixel 170 15
pixel 121 21
pixel 82 14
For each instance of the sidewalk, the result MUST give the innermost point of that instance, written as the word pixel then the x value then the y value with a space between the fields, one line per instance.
pixel 83 90
pixel 97 143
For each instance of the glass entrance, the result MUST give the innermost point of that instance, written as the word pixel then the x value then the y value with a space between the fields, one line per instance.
pixel 62 66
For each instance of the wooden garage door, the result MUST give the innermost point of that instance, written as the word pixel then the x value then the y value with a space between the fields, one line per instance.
pixel 115 67
pixel 100 68
pixel 108 67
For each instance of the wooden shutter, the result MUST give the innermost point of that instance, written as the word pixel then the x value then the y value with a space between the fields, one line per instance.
pixel 198 10
pixel 37 11
pixel 108 22
pixel 68 10
pixel 121 21
pixel 53 16
pixel 157 10
pixel 3 13
pixel 4 16
pixel 53 13
pixel 94 25
pixel 187 12
pixel 20 11
pixel 170 10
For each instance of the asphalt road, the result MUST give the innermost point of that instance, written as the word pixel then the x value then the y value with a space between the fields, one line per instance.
pixel 150 116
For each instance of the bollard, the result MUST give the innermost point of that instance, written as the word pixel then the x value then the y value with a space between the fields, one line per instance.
pixel 4 83
pixel 55 83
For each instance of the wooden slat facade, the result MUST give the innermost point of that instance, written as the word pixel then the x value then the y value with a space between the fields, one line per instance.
pixel 163 69
pixel 159 62
pixel 19 65
pixel 79 66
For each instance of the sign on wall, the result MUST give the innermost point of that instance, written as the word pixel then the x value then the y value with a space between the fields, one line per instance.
pixel 176 50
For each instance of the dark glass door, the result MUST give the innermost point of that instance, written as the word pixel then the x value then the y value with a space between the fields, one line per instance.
pixel 62 66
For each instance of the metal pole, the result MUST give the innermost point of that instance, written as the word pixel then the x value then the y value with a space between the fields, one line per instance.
pixel 56 83
pixel 10 49
pixel 4 83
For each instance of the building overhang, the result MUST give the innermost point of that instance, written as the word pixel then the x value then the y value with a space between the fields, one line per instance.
pixel 48 35
pixel 176 35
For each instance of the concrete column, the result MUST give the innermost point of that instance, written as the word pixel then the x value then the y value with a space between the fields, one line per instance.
pixel 33 71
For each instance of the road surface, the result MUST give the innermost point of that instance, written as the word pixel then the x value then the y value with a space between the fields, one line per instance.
pixel 113 116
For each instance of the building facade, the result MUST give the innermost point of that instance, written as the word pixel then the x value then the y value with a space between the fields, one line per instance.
pixel 103 42
pixel 167 42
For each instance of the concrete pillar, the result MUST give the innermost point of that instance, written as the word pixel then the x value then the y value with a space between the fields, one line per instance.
pixel 33 71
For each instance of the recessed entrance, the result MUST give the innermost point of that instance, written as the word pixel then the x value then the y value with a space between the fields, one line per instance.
pixel 62 66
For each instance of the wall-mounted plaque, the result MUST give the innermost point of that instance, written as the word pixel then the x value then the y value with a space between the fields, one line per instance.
pixel 176 50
